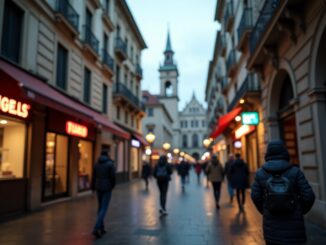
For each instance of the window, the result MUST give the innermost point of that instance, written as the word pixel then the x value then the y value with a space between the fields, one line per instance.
pixel 184 141
pixel 89 19
pixel 87 86
pixel 192 123
pixel 137 91
pixel 186 124
pixel 56 165
pixel 105 98
pixel 118 112
pixel 105 43
pixel 107 7
pixel 181 124
pixel 150 112
pixel 117 75
pixel 85 165
pixel 126 79
pixel 132 54
pixel 62 57
pixel 12 31
pixel 195 140
pixel 203 123
pixel 126 117
pixel 126 42
pixel 12 148
pixel 132 121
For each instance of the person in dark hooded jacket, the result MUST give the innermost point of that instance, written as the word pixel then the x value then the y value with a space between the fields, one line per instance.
pixel 103 182
pixel 290 228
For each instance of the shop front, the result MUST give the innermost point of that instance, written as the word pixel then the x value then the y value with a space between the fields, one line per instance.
pixel 14 119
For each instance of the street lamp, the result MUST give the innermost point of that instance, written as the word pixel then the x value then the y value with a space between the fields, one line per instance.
pixel 182 154
pixel 176 151
pixel 166 146
pixel 206 143
pixel 150 138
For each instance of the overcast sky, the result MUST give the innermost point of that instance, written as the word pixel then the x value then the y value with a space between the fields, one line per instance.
pixel 192 30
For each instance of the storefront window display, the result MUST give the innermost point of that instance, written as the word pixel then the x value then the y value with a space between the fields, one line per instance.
pixel 12 148
pixel 56 165
pixel 85 165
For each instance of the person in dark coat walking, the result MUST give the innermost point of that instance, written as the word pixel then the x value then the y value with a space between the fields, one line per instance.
pixel 146 171
pixel 239 175
pixel 183 171
pixel 227 173
pixel 162 173
pixel 282 229
pixel 215 173
pixel 103 182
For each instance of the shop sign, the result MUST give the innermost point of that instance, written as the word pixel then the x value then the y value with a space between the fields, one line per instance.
pixel 250 118
pixel 14 107
pixel 135 143
pixel 244 130
pixel 76 129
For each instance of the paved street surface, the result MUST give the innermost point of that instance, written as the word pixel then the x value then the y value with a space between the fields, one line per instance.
pixel 133 218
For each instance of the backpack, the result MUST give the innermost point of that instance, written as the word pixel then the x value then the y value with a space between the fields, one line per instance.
pixel 162 172
pixel 280 198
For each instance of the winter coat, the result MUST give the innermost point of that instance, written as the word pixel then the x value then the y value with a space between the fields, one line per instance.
pixel 282 229
pixel 103 174
pixel 227 169
pixel 146 171
pixel 239 174
pixel 183 168
pixel 169 170
pixel 198 168
pixel 215 171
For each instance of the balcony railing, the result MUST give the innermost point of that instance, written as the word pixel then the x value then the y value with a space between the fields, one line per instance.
pixel 251 84
pixel 231 61
pixel 122 90
pixel 108 60
pixel 264 19
pixel 64 8
pixel 246 23
pixel 90 38
pixel 229 14
pixel 121 47
pixel 139 71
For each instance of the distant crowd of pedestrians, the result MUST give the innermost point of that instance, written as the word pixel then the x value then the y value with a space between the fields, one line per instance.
pixel 280 190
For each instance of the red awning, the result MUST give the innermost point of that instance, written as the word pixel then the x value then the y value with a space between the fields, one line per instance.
pixel 141 139
pixel 49 96
pixel 224 121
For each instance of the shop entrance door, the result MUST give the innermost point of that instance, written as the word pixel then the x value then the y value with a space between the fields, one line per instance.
pixel 289 136
pixel 55 179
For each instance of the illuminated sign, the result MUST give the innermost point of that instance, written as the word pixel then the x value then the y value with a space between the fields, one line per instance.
pixel 135 143
pixel 244 130
pixel 250 118
pixel 14 107
pixel 76 129
pixel 237 144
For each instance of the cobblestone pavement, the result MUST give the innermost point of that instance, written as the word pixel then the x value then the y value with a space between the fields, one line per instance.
pixel 133 218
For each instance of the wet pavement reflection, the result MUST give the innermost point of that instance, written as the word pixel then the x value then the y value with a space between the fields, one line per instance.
pixel 134 218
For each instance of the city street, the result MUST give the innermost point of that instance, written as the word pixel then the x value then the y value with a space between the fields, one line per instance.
pixel 133 218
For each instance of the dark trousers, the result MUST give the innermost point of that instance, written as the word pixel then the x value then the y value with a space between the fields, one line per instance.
pixel 103 198
pixel 146 181
pixel 216 190
pixel 241 196
pixel 163 187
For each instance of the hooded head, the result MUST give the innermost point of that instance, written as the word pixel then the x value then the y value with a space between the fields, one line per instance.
pixel 276 150
pixel 163 160
pixel 214 159
pixel 104 157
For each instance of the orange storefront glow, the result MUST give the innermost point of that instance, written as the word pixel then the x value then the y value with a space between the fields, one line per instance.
pixel 14 107
pixel 243 130
pixel 76 129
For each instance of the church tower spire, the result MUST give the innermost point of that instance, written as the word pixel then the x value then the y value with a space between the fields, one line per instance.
pixel 168 53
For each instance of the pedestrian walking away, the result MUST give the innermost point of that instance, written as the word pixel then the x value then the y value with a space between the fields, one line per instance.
pixel 227 173
pixel 239 175
pixel 182 172
pixel 103 182
pixel 162 173
pixel 198 169
pixel 146 172
pixel 215 174
pixel 282 195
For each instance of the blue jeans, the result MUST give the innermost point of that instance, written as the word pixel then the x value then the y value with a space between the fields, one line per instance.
pixel 230 189
pixel 103 198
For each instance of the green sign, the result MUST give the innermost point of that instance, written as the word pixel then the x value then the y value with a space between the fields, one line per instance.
pixel 250 118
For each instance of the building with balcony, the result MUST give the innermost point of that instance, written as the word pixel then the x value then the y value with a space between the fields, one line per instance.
pixel 58 69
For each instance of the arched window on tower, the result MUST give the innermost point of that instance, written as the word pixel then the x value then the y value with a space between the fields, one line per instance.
pixel 168 88
pixel 194 140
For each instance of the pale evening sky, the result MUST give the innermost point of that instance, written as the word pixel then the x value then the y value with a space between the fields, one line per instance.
pixel 192 30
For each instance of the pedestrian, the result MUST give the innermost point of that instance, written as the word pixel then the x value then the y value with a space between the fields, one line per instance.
pixel 227 173
pixel 103 182
pixel 215 174
pixel 182 172
pixel 239 175
pixel 162 173
pixel 187 172
pixel 204 166
pixel 282 207
pixel 146 172
pixel 198 169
